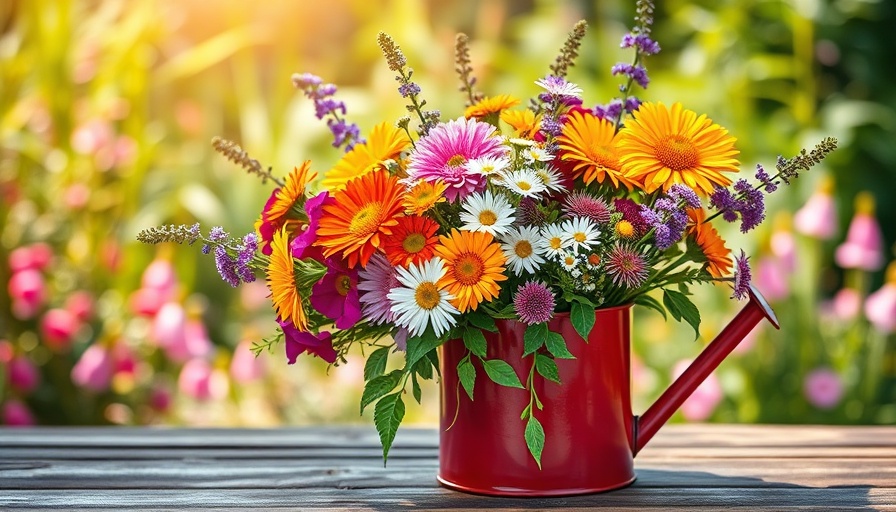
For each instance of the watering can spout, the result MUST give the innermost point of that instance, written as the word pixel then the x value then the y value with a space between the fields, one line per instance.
pixel 656 416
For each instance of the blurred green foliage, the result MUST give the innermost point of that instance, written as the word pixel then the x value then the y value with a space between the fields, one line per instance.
pixel 107 107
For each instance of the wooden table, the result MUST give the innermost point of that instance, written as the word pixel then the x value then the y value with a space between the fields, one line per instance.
pixel 685 467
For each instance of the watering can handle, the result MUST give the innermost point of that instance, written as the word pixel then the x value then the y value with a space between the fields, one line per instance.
pixel 657 414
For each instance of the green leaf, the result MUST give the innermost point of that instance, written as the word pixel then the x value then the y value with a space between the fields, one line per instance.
pixel 376 363
pixel 650 302
pixel 379 386
pixel 547 368
pixel 482 321
pixel 423 368
pixel 387 416
pixel 419 346
pixel 433 356
pixel 534 438
pixel 466 372
pixel 582 318
pixel 557 346
pixel 680 306
pixel 526 410
pixel 415 387
pixel 501 373
pixel 475 341
pixel 534 338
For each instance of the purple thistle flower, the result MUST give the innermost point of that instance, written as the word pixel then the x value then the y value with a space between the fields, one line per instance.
pixel 226 267
pixel 766 180
pixel 680 192
pixel 663 237
pixel 582 204
pixel 741 276
pixel 723 200
pixel 534 303
pixel 625 266
pixel 751 205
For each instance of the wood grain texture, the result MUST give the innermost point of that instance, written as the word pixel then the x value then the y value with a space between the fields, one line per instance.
pixel 686 467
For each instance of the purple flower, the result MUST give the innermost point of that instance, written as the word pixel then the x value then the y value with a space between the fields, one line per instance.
pixel 611 111
pixel 636 73
pixel 301 246
pixel 631 104
pixel 582 204
pixel 766 180
pixel 336 295
pixel 376 280
pixel 631 211
pixel 680 192
pixel 298 342
pixel 741 276
pixel 245 253
pixel 306 81
pixel 409 89
pixel 226 267
pixel 534 303
pixel 551 127
pixel 217 234
pixel 626 267
pixel 643 42
pixel 751 205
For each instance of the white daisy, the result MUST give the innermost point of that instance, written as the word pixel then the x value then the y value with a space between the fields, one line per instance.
pixel 488 166
pixel 553 241
pixel 551 178
pixel 521 249
pixel 419 301
pixel 487 212
pixel 569 261
pixel 523 182
pixel 536 154
pixel 581 233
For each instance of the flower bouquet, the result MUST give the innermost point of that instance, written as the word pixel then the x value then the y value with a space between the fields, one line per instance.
pixel 430 231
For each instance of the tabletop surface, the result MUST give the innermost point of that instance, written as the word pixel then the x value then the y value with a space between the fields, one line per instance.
pixel 687 467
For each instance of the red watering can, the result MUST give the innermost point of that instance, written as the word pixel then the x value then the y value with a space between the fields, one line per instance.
pixel 591 433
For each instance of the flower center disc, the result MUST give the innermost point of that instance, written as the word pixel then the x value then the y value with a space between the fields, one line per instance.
pixel 677 153
pixel 343 285
pixel 487 218
pixel 625 229
pixel 602 156
pixel 414 243
pixel 468 270
pixel 456 161
pixel 427 295
pixel 524 185
pixel 523 249
pixel 556 243
pixel 367 220
pixel 579 237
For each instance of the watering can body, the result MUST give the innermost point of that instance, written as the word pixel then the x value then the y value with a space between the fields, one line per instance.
pixel 591 435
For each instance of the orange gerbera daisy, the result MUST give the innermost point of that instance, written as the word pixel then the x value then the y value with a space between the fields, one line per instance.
pixel 283 208
pixel 385 142
pixel 360 217
pixel 662 147
pixel 412 240
pixel 281 280
pixel 474 264
pixel 589 144
pixel 718 259
pixel 524 122
pixel 491 105
pixel 423 196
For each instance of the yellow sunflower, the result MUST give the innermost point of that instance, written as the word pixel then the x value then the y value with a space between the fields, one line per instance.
pixel 589 145
pixel 385 142
pixel 718 259
pixel 661 147
pixel 423 196
pixel 524 122
pixel 474 264
pixel 360 216
pixel 491 105
pixel 281 280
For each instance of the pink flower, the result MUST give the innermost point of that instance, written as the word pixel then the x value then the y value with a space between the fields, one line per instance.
pixel 80 304
pixel 159 275
pixel 823 388
pixel 200 381
pixel 245 367
pixel 198 343
pixel 28 292
pixel 783 246
pixel 863 248
pixel 160 397
pixel 17 414
pixel 22 375
pixel 818 217
pixel 35 256
pixel 302 245
pixel 298 342
pixel 169 330
pixel 771 278
pixel 847 303
pixel 58 327
pixel 880 306
pixel 534 303
pixel 704 400
pixel 336 295
pixel 146 301
pixel 375 282
pixel 93 371
pixel 443 155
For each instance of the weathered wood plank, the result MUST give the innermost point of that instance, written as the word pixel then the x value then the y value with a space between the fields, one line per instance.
pixel 275 474
pixel 794 498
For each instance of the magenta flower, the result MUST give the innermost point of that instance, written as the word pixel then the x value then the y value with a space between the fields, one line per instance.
pixel 704 400
pixel 22 375
pixel 880 306
pixel 534 303
pixel 582 204
pixel 28 292
pixel 445 151
pixel 17 414
pixel 35 256
pixel 818 217
pixel 298 342
pixel 823 388
pixel 58 328
pixel 302 245
pixel 374 283
pixel 336 295
pixel 626 267
pixel 93 371
pixel 863 248
pixel 742 276
pixel 169 331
